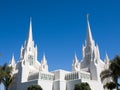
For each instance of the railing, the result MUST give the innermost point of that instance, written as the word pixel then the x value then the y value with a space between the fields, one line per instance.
pixel 77 75
pixel 45 76
pixel 42 76
pixel 33 76
pixel 72 76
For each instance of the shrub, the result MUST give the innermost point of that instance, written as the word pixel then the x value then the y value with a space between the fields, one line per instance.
pixel 34 87
pixel 82 86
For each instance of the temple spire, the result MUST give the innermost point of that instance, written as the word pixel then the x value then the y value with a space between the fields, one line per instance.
pixel 30 38
pixel 89 34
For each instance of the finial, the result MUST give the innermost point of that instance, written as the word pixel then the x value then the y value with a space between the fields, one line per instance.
pixel 44 59
pixel 13 56
pixel 75 56
pixel 12 62
pixel 44 55
pixel 87 16
pixel 30 18
pixel 106 61
pixel 106 56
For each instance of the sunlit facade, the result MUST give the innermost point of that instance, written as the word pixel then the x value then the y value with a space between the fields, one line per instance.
pixel 28 70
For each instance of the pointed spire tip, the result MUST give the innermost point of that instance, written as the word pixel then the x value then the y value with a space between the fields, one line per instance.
pixel 87 15
pixel 30 18
pixel 89 34
pixel 30 37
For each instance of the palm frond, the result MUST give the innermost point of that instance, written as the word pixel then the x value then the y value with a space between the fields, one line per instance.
pixel 105 74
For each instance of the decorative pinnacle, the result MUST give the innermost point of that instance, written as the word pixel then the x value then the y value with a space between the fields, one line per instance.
pixel 12 60
pixel 75 59
pixel 44 59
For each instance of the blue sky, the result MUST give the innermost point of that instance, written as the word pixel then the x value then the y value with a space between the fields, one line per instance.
pixel 59 28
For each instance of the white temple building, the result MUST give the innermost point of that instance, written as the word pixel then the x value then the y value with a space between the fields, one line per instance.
pixel 28 70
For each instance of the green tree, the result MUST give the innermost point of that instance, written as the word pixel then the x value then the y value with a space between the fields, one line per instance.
pixel 82 86
pixel 110 85
pixel 1 74
pixel 34 87
pixel 113 71
pixel 6 76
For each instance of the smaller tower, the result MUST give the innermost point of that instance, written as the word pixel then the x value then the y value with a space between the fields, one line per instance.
pixel 12 62
pixel 106 66
pixel 44 65
pixel 106 61
pixel 28 52
pixel 97 52
pixel 76 64
pixel 88 51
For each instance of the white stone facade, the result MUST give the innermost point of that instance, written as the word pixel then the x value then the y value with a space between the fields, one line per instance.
pixel 28 70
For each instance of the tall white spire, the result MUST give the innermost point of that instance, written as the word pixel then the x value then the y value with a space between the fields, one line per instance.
pixel 29 50
pixel 89 34
pixel 12 62
pixel 30 37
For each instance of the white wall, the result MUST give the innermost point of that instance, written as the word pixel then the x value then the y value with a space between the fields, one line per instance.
pixel 25 85
pixel 46 84
pixel 71 84
pixel 94 85
pixel 59 85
